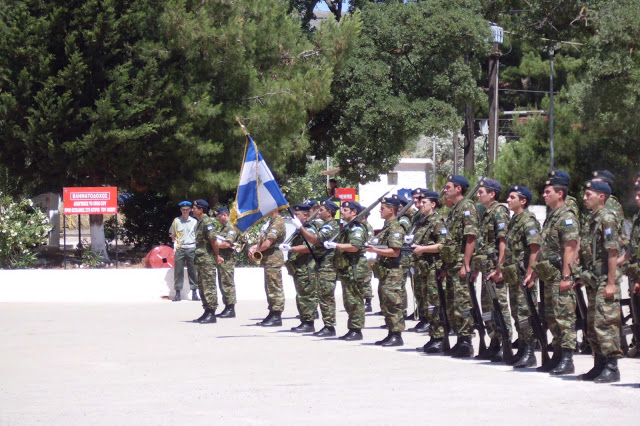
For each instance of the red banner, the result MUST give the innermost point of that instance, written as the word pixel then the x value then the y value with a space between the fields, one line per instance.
pixel 97 200
pixel 346 194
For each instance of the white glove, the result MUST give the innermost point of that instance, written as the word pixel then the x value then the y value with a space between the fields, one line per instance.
pixel 284 247
pixel 370 256
pixel 408 239
pixel 329 245
pixel 296 222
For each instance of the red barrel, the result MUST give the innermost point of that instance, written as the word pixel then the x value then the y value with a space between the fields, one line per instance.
pixel 159 257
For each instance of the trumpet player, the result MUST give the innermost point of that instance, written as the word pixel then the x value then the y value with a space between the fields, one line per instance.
pixel 271 259
pixel 226 238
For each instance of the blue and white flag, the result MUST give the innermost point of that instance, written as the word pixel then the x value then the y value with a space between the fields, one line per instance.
pixel 258 192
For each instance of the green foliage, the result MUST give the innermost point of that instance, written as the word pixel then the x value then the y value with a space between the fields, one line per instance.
pixel 22 229
pixel 148 216
pixel 88 257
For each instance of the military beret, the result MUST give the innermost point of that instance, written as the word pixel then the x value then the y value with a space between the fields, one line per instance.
pixel 200 203
pixel 431 195
pixel 491 184
pixel 185 204
pixel 393 200
pixel 418 191
pixel 330 205
pixel 353 205
pixel 558 177
pixel 522 190
pixel 302 207
pixel 222 210
pixel 598 186
pixel 458 180
pixel 402 199
pixel 604 175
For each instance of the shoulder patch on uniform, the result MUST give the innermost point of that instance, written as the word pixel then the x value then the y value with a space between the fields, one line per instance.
pixel 209 228
pixel 607 231
pixel 500 225
pixel 232 232
pixel 329 227
pixel 568 222
pixel 533 232
pixel 443 231
pixel 358 234
pixel 396 235
pixel 467 213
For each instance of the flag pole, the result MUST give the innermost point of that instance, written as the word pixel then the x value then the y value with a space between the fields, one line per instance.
pixel 244 129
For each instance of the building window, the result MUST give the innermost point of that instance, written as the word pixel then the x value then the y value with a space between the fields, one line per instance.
pixel 392 178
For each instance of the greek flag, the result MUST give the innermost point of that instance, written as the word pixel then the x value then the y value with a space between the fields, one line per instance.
pixel 258 192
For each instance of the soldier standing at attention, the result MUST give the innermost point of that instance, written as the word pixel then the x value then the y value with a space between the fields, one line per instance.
pixel 570 201
pixel 490 249
pixel 226 237
pixel 183 235
pixel 326 272
pixel 419 280
pixel 426 247
pixel 272 234
pixel 349 262
pixel 602 281
pixel 391 289
pixel 207 256
pixel 365 273
pixel 559 240
pixel 302 268
pixel 523 245
pixel 462 224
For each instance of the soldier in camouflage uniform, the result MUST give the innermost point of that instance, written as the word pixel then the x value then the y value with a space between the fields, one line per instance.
pixel 488 260
pixel 365 272
pixel 602 280
pixel 301 267
pixel 227 235
pixel 559 239
pixel 427 241
pixel 462 224
pixel 523 245
pixel 570 201
pixel 391 289
pixel 406 220
pixel 419 280
pixel 207 256
pixel 349 262
pixel 632 253
pixel 326 272
pixel 271 235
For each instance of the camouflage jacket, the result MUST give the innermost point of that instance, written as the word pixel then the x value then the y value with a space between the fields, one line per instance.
pixel 205 232
pixel 274 230
pixel 603 236
pixel 299 259
pixel 493 226
pixel 370 231
pixel 560 227
pixel 433 231
pixel 356 236
pixel 522 232
pixel 634 240
pixel 392 235
pixel 328 231
pixel 230 234
pixel 572 204
pixel 461 222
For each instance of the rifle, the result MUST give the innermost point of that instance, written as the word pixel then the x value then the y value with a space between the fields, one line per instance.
pixel 442 312
pixel 306 243
pixel 582 310
pixel 498 320
pixel 297 231
pixel 534 319
pixel 634 307
pixel 476 313
pixel 359 217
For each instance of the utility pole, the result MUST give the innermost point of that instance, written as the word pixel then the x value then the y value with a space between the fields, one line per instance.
pixel 494 65
pixel 456 155
pixel 551 153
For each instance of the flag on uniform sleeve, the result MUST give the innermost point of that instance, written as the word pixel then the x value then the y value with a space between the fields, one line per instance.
pixel 258 192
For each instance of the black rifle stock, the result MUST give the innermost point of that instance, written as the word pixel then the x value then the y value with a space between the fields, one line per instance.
pixel 442 312
pixel 476 313
pixel 297 231
pixel 534 319
pixel 582 310
pixel 499 321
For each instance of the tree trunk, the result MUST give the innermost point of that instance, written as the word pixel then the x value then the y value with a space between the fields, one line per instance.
pixel 469 138
pixel 98 241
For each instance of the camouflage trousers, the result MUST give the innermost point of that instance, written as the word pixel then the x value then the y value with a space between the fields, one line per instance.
pixel 603 320
pixel 273 287
pixel 364 271
pixel 353 298
pixel 184 256
pixel 304 279
pixel 520 310
pixel 430 306
pixel 326 290
pixel 487 306
pixel 458 302
pixel 206 267
pixel 392 292
pixel 560 313
pixel 227 284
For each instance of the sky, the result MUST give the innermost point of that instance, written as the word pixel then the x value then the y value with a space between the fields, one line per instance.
pixel 323 6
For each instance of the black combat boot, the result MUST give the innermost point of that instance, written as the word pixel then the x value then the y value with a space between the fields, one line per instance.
pixel 210 318
pixel 229 311
pixel 599 363
pixel 326 331
pixel 353 334
pixel 454 348
pixel 411 317
pixel 516 357
pixel 610 374
pixel 465 350
pixel 385 340
pixel 421 327
pixel 204 314
pixel 528 358
pixel 516 344
pixel 426 345
pixel 492 350
pixel 566 364
pixel 304 327
pixel 367 305
pixel 552 362
pixel 500 355
pixel 395 340
pixel 194 296
pixel 436 347
pixel 274 321
pixel 176 298
pixel 267 318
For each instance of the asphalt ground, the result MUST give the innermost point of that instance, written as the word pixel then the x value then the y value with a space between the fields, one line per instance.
pixel 147 364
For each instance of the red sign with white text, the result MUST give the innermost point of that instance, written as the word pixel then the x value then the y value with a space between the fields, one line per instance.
pixel 346 194
pixel 97 200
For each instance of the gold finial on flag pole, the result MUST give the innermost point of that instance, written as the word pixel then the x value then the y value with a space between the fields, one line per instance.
pixel 244 129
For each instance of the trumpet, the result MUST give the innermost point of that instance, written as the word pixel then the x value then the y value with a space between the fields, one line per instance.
pixel 257 257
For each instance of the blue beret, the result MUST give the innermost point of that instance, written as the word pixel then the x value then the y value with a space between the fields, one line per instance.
pixel 418 191
pixel 330 205
pixel 201 204
pixel 185 204
pixel 393 200
pixel 431 195
pixel 458 180
pixel 222 210
pixel 558 177
pixel 353 205
pixel 598 186
pixel 302 207
pixel 605 175
pixel 403 200
pixel 522 190
pixel 491 184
